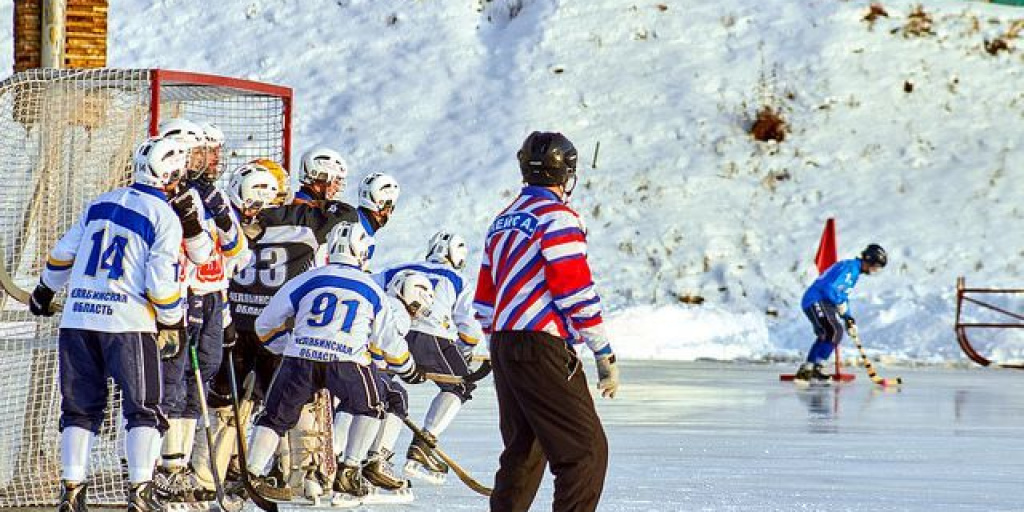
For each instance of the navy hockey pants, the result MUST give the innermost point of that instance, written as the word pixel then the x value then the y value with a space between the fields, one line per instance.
pixel 441 355
pixel 206 332
pixel 297 380
pixel 828 331
pixel 393 394
pixel 88 358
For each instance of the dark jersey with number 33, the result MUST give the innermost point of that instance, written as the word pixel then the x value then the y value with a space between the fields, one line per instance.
pixel 286 247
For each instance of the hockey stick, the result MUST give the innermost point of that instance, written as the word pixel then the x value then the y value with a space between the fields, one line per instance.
pixel 466 478
pixel 16 293
pixel 233 506
pixel 257 498
pixel 872 374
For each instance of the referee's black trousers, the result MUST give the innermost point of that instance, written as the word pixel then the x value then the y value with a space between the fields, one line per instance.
pixel 546 415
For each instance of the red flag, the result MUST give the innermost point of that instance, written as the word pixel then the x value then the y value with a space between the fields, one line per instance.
pixel 827 247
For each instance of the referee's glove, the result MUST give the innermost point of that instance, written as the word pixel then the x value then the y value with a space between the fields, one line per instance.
pixel 607 374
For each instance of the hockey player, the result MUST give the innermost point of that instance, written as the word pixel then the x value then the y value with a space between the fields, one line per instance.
pixel 411 296
pixel 536 298
pixel 325 319
pixel 441 342
pixel 378 196
pixel 323 176
pixel 120 262
pixel 205 282
pixel 826 301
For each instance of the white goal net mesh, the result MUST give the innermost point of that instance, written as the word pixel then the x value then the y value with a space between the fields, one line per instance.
pixel 68 136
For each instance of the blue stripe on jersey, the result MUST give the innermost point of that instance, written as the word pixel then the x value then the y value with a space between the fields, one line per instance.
pixel 369 230
pixel 124 217
pixel 538 191
pixel 343 283
pixel 455 279
pixel 153 191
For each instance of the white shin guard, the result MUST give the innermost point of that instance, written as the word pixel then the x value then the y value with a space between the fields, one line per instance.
pixel 361 435
pixel 224 443
pixel 342 422
pixel 138 445
pixel 262 446
pixel 387 435
pixel 442 411
pixel 75 447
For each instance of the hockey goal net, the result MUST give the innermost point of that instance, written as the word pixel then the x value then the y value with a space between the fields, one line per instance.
pixel 68 136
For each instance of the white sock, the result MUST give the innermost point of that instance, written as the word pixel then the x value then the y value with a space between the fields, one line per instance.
pixel 360 436
pixel 75 447
pixel 387 436
pixel 442 411
pixel 173 453
pixel 139 443
pixel 262 446
pixel 342 422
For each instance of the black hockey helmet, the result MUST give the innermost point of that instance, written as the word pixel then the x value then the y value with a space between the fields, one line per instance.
pixel 547 159
pixel 874 255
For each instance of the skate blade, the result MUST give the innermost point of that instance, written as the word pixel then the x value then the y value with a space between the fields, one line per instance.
pixel 195 506
pixel 416 470
pixel 385 497
pixel 342 500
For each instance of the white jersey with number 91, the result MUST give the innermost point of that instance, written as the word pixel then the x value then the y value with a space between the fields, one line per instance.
pixel 325 314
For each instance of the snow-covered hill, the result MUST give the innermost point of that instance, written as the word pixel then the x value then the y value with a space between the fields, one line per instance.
pixel 914 142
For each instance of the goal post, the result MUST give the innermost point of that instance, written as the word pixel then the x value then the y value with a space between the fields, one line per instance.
pixel 68 136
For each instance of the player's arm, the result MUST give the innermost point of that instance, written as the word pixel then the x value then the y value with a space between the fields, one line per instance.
pixel 278 318
pixel 485 295
pixel 57 270
pixel 163 290
pixel 464 316
pixel 198 242
pixel 834 276
pixel 236 250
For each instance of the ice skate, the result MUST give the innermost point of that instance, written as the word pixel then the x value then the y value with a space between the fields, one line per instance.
pixel 72 498
pixel 421 464
pixel 141 499
pixel 267 487
pixel 388 488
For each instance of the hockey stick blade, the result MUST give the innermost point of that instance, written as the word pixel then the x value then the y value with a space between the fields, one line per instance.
pixel 16 293
pixel 870 368
pixel 463 475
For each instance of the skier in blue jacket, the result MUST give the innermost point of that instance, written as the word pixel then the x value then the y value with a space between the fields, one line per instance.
pixel 826 302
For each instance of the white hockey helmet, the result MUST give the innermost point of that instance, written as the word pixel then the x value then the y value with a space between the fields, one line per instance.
pixel 158 162
pixel 348 243
pixel 447 247
pixel 378 192
pixel 323 164
pixel 252 186
pixel 213 136
pixel 414 290
pixel 188 133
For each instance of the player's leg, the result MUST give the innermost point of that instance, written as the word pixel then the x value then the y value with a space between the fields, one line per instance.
pixel 291 387
pixel 378 469
pixel 222 418
pixel 168 478
pixel 83 388
pixel 133 361
pixel 356 387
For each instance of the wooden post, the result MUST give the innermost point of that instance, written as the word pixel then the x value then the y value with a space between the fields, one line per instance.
pixel 53 34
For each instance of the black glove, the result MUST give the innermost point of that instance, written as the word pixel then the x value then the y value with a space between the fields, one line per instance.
pixel 214 202
pixel 169 338
pixel 188 212
pixel 42 298
pixel 414 375
pixel 849 321
pixel 230 335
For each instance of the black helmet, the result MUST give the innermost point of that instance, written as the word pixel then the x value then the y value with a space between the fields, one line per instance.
pixel 547 159
pixel 874 255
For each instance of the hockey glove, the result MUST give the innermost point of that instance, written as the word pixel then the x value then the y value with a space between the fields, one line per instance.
pixel 188 212
pixel 40 302
pixel 851 326
pixel 608 375
pixel 214 203
pixel 169 338
pixel 414 375
pixel 230 335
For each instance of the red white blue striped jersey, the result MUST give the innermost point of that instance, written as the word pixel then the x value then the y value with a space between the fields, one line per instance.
pixel 534 274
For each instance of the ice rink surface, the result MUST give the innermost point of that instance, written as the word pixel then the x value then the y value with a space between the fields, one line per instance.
pixel 709 436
